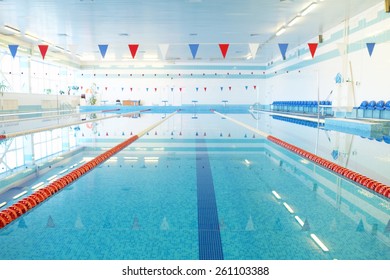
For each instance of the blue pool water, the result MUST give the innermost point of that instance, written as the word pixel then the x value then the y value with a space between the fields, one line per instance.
pixel 201 197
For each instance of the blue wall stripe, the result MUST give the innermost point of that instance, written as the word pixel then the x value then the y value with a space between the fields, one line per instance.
pixel 210 245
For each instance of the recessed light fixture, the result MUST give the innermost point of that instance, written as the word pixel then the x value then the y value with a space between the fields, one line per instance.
pixel 11 28
pixel 309 8
pixel 281 31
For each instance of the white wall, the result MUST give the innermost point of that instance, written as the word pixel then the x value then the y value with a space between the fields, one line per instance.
pixel 302 78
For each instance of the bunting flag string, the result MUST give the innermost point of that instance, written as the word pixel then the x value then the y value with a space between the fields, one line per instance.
pixel 312 48
pixel 224 48
pixel 13 49
pixel 283 49
pixel 194 49
pixel 370 48
pixel 103 50
pixel 43 50
pixel 133 49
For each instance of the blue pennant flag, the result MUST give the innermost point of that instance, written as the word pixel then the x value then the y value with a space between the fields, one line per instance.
pixel 103 50
pixel 370 48
pixel 194 49
pixel 283 49
pixel 13 49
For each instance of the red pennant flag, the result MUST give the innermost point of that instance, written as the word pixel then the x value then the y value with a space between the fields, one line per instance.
pixel 313 48
pixel 254 87
pixel 131 89
pixel 224 48
pixel 155 89
pixel 180 89
pixel 133 49
pixel 205 88
pixel 230 88
pixel 81 87
pixel 43 50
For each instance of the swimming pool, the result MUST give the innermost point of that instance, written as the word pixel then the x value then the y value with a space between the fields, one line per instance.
pixel 201 187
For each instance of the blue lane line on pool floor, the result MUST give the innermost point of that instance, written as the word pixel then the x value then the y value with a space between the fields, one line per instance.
pixel 210 245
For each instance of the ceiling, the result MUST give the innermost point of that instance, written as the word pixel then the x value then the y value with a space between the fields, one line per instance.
pixel 79 26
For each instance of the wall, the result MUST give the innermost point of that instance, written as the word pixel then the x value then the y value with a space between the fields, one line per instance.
pixel 301 77
pixel 176 85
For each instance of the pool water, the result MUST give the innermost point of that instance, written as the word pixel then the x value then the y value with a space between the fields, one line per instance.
pixel 202 198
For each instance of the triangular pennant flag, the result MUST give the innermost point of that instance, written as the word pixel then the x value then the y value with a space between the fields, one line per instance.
pixel 78 223
pixel 221 88
pixel 163 49
pixel 164 224
pixel 230 88
pixel 131 89
pixel 370 48
pixel 155 89
pixel 278 225
pixel 250 226
pixel 22 223
pixel 180 89
pixel 246 87
pixel 103 50
pixel 172 89
pixel 13 49
pixel 254 87
pixel 123 88
pixel 306 226
pixel 50 222
pixel 133 49
pixel 283 49
pixel 197 89
pixel 312 48
pixel 147 89
pixel 253 48
pixel 205 88
pixel 194 49
pixel 135 225
pixel 387 228
pixel 360 227
pixel 224 48
pixel 43 50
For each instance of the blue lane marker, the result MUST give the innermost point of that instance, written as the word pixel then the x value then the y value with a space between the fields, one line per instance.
pixel 210 245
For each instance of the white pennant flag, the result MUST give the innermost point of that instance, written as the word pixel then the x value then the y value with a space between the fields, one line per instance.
pixel 342 47
pixel 253 48
pixel 163 49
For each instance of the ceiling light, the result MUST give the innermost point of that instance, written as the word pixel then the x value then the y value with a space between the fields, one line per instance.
pixel 319 242
pixel 31 37
pixel 294 21
pixel 309 8
pixel 12 29
pixel 281 31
